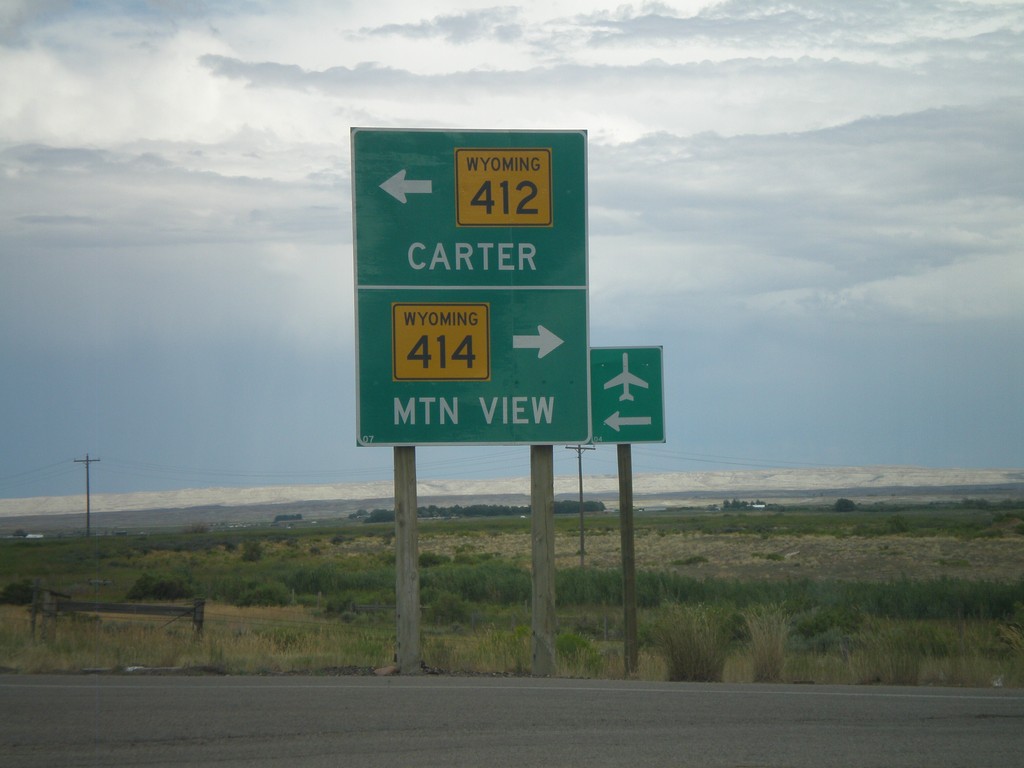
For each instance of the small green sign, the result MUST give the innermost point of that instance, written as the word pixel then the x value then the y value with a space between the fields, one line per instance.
pixel 627 392
pixel 471 287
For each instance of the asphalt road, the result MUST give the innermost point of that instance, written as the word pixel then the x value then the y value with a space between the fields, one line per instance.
pixel 102 720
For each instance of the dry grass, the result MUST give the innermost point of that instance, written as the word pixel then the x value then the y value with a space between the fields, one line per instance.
pixel 293 640
pixel 768 626
pixel 742 556
pixel 234 640
pixel 694 641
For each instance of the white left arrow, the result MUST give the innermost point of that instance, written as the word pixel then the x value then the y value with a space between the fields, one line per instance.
pixel 398 186
pixel 615 421
pixel 543 342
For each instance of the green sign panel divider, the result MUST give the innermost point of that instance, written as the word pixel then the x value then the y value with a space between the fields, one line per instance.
pixel 471 287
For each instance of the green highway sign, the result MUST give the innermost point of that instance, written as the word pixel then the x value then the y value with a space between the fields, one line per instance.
pixel 471 287
pixel 627 392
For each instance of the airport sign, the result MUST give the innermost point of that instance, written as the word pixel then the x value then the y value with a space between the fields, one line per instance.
pixel 627 395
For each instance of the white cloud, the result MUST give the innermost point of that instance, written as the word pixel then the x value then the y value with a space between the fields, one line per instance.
pixel 880 214
pixel 130 246
pixel 306 77
pixel 980 288
pixel 783 179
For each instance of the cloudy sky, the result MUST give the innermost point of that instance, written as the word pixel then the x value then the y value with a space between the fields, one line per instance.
pixel 815 206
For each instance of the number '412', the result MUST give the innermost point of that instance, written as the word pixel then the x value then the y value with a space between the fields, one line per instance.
pixel 523 194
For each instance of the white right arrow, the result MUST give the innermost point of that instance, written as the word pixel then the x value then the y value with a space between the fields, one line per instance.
pixel 543 342
pixel 398 186
pixel 615 421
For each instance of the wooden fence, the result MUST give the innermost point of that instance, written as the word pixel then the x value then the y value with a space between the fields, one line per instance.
pixel 52 604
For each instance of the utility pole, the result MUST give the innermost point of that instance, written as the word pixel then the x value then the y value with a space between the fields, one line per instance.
pixel 87 461
pixel 544 620
pixel 632 645
pixel 407 575
pixel 579 463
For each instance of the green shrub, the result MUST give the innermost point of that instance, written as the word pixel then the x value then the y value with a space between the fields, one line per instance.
pixel 844 619
pixel 570 644
pixel 432 559
pixel 492 581
pixel 654 588
pixel 694 641
pixel 328 578
pixel 588 586
pixel 578 652
pixel 263 593
pixel 150 586
pixel 17 593
pixel 943 598
pixel 445 608
pixel 252 551
pixel 897 524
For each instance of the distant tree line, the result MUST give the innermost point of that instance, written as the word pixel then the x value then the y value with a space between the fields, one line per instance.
pixel 738 504
pixel 841 505
pixel 288 518
pixel 474 510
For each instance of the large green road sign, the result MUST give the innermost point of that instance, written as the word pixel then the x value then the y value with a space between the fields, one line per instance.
pixel 471 287
pixel 628 394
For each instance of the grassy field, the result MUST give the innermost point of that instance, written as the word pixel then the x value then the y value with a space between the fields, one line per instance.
pixel 911 595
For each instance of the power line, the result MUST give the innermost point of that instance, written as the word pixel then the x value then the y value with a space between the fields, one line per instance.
pixel 40 475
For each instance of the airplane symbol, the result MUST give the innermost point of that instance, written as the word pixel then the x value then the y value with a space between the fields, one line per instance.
pixel 625 380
